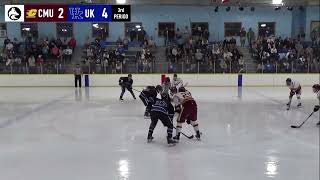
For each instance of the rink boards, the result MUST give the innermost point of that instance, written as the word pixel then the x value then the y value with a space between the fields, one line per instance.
pixel 141 80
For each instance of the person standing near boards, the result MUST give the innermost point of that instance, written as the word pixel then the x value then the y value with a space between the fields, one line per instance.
pixel 77 76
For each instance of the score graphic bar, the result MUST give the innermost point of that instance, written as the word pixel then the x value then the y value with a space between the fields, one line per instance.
pixel 67 13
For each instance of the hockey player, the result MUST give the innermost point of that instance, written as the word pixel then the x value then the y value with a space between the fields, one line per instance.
pixel 166 85
pixel 177 82
pixel 316 89
pixel 295 89
pixel 188 111
pixel 126 83
pixel 148 96
pixel 159 111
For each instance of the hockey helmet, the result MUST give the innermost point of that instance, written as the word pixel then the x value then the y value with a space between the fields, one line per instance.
pixel 316 88
pixel 159 88
pixel 182 89
pixel 288 81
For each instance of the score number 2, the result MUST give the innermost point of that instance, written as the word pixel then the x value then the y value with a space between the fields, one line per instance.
pixel 60 13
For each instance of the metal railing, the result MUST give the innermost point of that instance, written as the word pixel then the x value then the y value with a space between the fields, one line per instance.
pixel 214 67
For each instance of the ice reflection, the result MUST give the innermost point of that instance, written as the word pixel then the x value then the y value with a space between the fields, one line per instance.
pixel 271 167
pixel 124 169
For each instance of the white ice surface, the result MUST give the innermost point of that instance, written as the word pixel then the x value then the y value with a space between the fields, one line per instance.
pixel 67 134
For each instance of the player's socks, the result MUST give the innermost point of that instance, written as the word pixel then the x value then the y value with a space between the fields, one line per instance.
pixel 299 101
pixel 120 99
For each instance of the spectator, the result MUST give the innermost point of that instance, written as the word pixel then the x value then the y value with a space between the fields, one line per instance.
pixel 68 53
pixel 32 64
pixel 141 34
pixel 72 43
pixel 133 35
pixel 223 66
pixel 55 51
pixel 250 36
pixel 113 68
pixel 233 41
pixel 198 56
pixel 145 66
pixel 140 66
pixel 174 53
pixel 243 35
pixel 166 36
pixel 119 67
pixel 313 36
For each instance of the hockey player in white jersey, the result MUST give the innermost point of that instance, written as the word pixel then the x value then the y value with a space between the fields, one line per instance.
pixel 177 82
pixel 295 89
pixel 316 89
pixel 188 111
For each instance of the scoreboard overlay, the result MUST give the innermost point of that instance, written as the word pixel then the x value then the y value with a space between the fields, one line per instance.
pixel 67 13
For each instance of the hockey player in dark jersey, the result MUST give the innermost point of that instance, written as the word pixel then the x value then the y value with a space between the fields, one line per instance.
pixel 148 96
pixel 160 111
pixel 126 83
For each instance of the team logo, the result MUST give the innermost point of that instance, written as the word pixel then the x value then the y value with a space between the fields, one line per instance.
pixel 14 13
pixel 31 13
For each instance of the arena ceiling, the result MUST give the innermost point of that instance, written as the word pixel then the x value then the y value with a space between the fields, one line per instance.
pixel 173 2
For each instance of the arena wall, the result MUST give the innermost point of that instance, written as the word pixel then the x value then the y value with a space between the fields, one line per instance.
pixel 194 80
pixel 287 22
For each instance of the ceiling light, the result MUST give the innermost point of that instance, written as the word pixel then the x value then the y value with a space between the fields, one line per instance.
pixel 26 29
pixel 121 1
pixel 277 2
pixel 263 25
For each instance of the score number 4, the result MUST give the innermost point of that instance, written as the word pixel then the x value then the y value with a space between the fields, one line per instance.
pixel 105 13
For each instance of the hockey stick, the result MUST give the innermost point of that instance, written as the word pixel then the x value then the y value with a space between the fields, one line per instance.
pixel 136 90
pixel 189 137
pixel 303 122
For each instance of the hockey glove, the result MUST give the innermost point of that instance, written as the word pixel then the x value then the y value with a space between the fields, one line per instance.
pixel 177 109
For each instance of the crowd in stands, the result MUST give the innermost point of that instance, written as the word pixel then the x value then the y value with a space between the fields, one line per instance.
pixel 101 57
pixel 284 55
pixel 187 50
pixel 36 56
pixel 193 51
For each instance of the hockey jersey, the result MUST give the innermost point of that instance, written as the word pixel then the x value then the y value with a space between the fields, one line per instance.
pixel 125 81
pixel 177 83
pixel 160 106
pixel 149 94
pixel 295 85
pixel 182 97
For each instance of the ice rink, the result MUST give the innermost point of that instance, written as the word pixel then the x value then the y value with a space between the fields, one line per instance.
pixel 87 134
